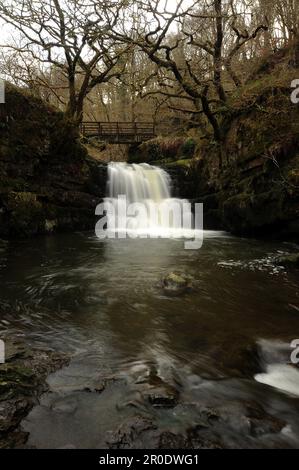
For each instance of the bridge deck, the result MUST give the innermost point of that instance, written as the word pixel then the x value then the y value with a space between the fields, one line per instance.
pixel 119 132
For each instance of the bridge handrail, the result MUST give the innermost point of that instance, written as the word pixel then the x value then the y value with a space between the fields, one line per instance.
pixel 119 130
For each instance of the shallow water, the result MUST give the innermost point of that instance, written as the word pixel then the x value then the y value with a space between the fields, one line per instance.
pixel 102 302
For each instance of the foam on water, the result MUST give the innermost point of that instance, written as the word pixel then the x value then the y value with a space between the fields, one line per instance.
pixel 281 376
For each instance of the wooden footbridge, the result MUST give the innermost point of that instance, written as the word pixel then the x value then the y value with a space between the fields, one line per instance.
pixel 119 132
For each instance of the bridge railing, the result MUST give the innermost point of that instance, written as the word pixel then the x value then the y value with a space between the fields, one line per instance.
pixel 119 131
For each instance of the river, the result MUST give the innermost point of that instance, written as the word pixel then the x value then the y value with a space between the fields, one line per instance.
pixel 209 368
pixel 102 302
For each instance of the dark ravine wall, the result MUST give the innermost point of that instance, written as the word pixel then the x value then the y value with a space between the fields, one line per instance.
pixel 47 181
pixel 256 191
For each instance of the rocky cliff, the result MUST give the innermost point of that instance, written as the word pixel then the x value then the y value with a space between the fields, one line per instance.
pixel 47 181
pixel 255 192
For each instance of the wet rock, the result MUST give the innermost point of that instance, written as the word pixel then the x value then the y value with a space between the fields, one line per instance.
pixel 156 391
pixel 170 440
pixel 141 432
pixel 65 405
pixel 161 394
pixel 262 422
pixel 163 398
pixel 10 412
pixel 289 261
pixel 206 440
pixel 48 183
pixel 250 420
pixel 22 380
pixel 243 360
pixel 132 434
pixel 177 283
pixel 234 425
pixel 196 437
pixel 98 386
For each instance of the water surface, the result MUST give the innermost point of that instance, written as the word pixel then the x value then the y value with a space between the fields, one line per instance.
pixel 102 302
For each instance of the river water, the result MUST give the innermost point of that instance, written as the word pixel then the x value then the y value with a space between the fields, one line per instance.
pixel 101 301
pixel 210 368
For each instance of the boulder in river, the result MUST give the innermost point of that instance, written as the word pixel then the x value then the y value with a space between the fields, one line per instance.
pixel 289 261
pixel 177 283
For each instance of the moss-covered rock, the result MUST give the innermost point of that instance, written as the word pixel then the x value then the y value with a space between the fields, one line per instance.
pixel 163 150
pixel 176 283
pixel 47 181
pixel 289 261
pixel 256 190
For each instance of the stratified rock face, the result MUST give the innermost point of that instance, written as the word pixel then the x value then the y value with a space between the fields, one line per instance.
pixel 256 191
pixel 47 181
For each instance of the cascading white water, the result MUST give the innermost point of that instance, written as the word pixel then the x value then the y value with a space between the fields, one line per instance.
pixel 139 183
pixel 150 187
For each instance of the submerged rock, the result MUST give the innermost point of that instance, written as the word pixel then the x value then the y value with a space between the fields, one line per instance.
pixel 131 433
pixel 177 284
pixel 98 386
pixel 289 261
pixel 237 424
pixel 170 440
pixel 141 432
pixel 262 422
pixel 250 420
pixel 241 361
pixel 22 380
pixel 67 405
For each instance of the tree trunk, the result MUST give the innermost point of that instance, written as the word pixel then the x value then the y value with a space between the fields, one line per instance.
pixel 218 51
pixel 218 136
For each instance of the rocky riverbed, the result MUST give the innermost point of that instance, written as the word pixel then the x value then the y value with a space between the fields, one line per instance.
pixel 184 350
pixel 22 382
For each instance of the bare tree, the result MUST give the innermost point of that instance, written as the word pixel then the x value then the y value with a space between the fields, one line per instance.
pixel 71 36
pixel 189 57
pixel 197 56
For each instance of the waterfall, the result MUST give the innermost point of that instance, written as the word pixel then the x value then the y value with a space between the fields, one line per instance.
pixel 148 189
pixel 139 183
